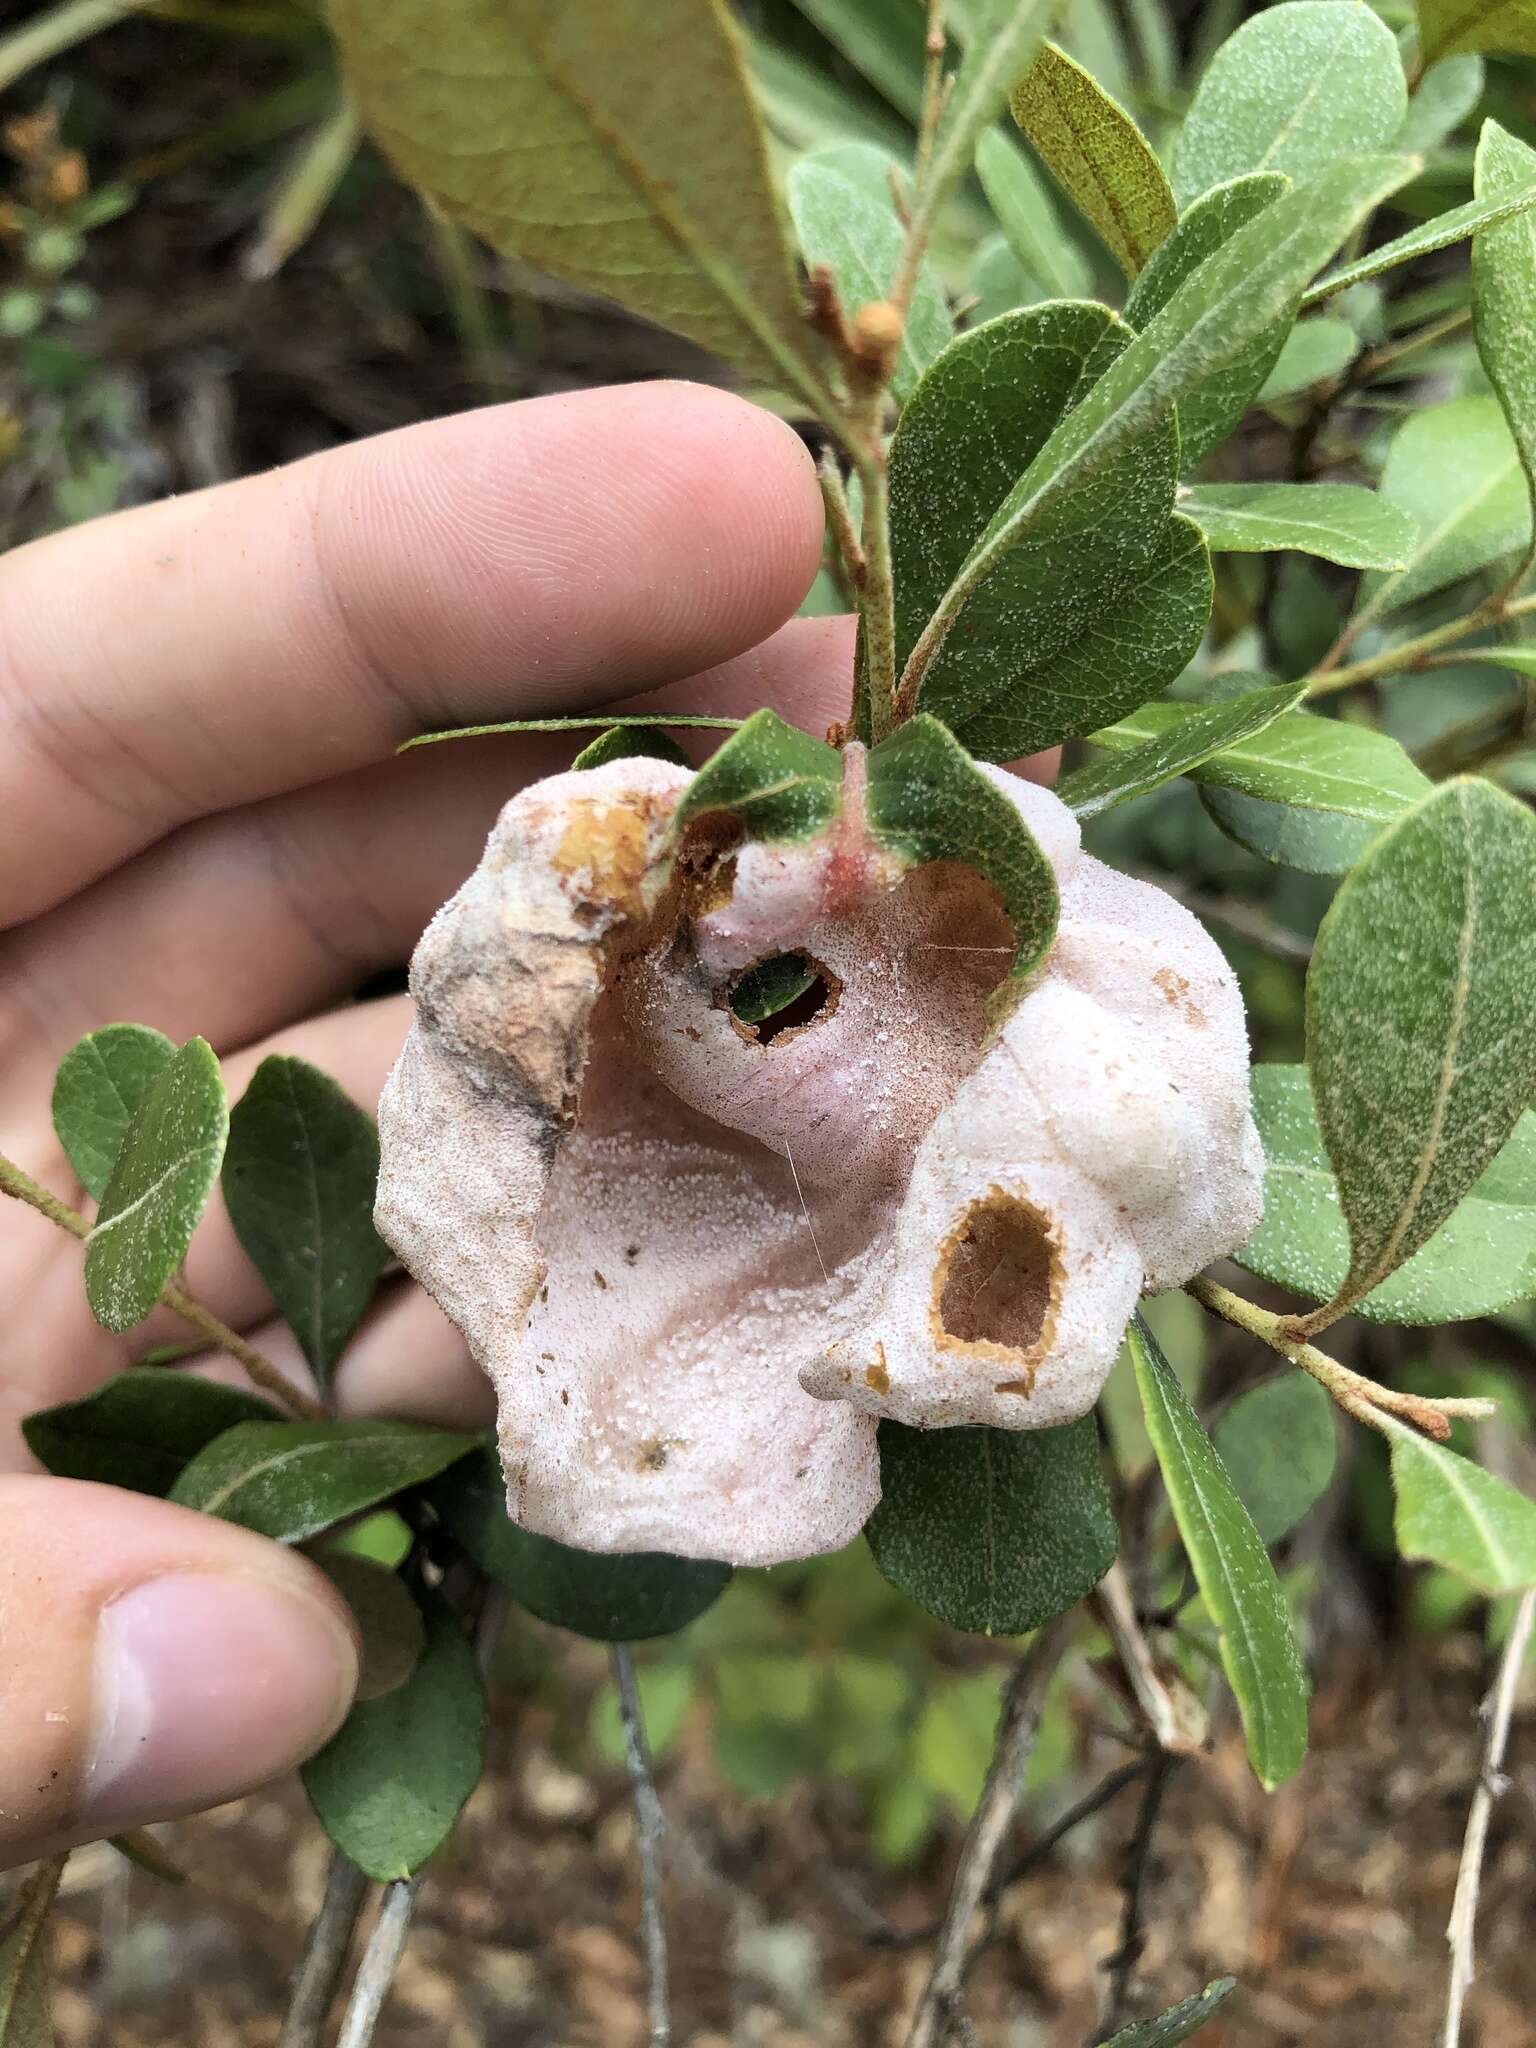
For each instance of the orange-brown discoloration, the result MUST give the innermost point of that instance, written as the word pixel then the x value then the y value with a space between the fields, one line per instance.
pixel 875 1375
pixel 1030 1297
pixel 610 843
pixel 1175 989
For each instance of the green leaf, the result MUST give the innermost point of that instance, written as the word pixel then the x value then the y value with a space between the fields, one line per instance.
pixel 617 1598
pixel 1212 406
pixel 101 1081
pixel 1002 38
pixel 1311 841
pixel 1027 216
pixel 1448 26
pixel 389 1622
pixel 1235 296
pixel 781 783
pixel 1279 1442
pixel 1504 288
pixel 1181 2022
pixel 1455 470
pixel 1096 617
pixel 844 209
pixel 1480 1260
pixel 1477 215
pixel 1296 89
pixel 990 1529
pixel 290 1480
pixel 1314 349
pixel 628 743
pixel 139 1429
pixel 1419 1019
pixel 1097 154
pixel 928 801
pixel 883 45
pixel 299 1180
pixel 1442 100
pixel 24 2017
pixel 1182 745
pixel 771 986
pixel 390 1784
pixel 567 138
pixel 158 1188
pixel 1452 1513
pixel 1231 1565
pixel 1340 522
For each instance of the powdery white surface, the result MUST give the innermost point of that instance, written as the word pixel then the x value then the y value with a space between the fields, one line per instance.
pixel 700 1267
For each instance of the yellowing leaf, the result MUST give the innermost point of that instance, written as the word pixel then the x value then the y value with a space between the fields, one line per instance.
pixel 613 143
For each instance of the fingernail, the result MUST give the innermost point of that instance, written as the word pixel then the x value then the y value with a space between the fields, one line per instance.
pixel 207 1685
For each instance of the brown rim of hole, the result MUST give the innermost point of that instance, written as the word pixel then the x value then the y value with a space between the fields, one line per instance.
pixel 812 1004
pixel 997 1283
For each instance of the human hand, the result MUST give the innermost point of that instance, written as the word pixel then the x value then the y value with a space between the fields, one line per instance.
pixel 203 828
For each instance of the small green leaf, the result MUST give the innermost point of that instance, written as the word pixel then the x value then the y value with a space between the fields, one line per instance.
pixel 1236 296
pixel 1455 470
pixel 1097 154
pixel 1181 2022
pixel 1213 405
pixel 629 743
pixel 1452 1513
pixel 781 783
pixel 1279 1442
pixel 843 204
pixel 1420 1001
pixel 1314 842
pixel 139 1429
pixel 1179 748
pixel 1027 216
pixel 1314 350
pixel 100 1083
pixel 1504 287
pixel 1339 522
pixel 1447 26
pixel 390 1784
pixel 299 1179
pixel 290 1480
pixel 1097 616
pixel 566 138
pixel 388 1620
pixel 1231 1566
pixel 1480 1260
pixel 1296 89
pixel 621 1598
pixel 1473 219
pixel 928 801
pixel 24 1958
pixel 158 1189
pixel 772 986
pixel 1442 100
pixel 993 1530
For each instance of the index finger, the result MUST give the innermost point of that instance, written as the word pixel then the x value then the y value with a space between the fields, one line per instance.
pixel 531 558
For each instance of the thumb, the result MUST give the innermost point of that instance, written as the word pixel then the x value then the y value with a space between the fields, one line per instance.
pixel 152 1662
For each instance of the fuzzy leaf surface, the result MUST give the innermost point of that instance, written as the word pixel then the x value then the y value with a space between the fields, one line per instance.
pixel 1452 1513
pixel 139 1429
pixel 390 1784
pixel 1231 1567
pixel 1421 1019
pixel 1504 288
pixel 1480 1260
pixel 101 1081
pixel 159 1186
pixel 1340 522
pixel 993 1530
pixel 779 781
pixel 299 1178
pixel 1296 89
pixel 1179 748
pixel 290 1480
pixel 563 136
pixel 1097 154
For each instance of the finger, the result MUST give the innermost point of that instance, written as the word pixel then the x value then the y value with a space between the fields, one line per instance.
pixel 153 1662
pixel 184 657
pixel 272 910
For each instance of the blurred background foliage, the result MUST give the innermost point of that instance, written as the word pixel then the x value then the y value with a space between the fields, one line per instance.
pixel 204 270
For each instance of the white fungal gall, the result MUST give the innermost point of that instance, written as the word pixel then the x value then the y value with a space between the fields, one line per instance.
pixel 701 1253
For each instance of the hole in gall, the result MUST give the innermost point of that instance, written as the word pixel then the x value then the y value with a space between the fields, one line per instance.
pixel 997 1281
pixel 783 993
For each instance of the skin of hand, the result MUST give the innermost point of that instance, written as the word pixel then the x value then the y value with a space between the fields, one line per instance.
pixel 203 828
